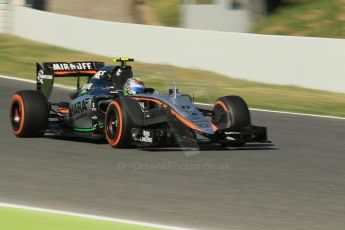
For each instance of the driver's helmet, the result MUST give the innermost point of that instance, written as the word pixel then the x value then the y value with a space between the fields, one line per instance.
pixel 133 86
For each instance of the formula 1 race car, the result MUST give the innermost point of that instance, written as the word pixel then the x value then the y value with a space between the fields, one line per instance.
pixel 115 105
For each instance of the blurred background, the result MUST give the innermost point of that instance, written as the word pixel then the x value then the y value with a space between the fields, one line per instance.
pixel 298 74
pixel 287 17
pixel 297 185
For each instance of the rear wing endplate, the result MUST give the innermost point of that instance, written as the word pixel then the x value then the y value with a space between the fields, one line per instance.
pixel 46 73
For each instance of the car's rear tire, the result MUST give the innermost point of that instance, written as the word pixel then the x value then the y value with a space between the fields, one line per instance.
pixel 231 112
pixel 29 113
pixel 118 125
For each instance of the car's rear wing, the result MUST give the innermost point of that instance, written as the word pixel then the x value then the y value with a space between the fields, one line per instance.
pixel 49 70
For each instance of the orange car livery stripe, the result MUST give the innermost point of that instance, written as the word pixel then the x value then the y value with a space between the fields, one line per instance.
pixel 58 73
pixel 185 121
pixel 178 116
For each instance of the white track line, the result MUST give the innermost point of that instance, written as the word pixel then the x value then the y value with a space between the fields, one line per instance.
pixel 17 79
pixel 283 112
pixel 92 217
pixel 32 81
pixel 298 114
pixel 253 109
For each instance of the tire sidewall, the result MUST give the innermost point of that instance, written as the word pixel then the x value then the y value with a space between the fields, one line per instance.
pixel 123 139
pixel 114 107
pixel 34 113
pixel 237 109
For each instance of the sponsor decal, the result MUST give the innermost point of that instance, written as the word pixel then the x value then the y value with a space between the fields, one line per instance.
pixel 41 76
pixel 146 137
pixel 99 74
pixel 118 72
pixel 93 106
pixel 231 133
pixel 78 108
pixel 88 86
pixel 72 66
pixel 113 90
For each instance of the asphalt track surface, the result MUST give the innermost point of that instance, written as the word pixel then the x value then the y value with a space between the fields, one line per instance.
pixel 298 183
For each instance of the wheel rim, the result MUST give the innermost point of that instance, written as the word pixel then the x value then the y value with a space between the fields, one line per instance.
pixel 17 114
pixel 219 118
pixel 113 124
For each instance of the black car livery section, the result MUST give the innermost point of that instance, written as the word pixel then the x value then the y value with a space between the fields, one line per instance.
pixel 100 110
pixel 78 107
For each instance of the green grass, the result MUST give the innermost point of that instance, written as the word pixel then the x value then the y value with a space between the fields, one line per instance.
pixel 316 18
pixel 18 57
pixel 17 219
pixel 167 11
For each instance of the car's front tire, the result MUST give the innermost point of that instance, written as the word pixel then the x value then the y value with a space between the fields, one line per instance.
pixel 118 125
pixel 231 112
